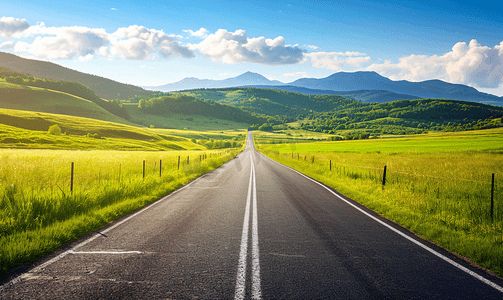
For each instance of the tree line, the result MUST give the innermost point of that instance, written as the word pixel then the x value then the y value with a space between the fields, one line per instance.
pixel 189 105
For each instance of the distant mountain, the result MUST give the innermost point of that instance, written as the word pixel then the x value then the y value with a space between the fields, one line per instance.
pixel 344 81
pixel 363 86
pixel 248 78
pixel 374 96
pixel 103 87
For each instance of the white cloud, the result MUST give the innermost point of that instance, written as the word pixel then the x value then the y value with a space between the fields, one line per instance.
pixel 201 33
pixel 138 42
pixel 236 47
pixel 133 42
pixel 7 45
pixel 312 47
pixel 10 26
pixel 66 42
pixel 113 8
pixel 337 60
pixel 470 64
pixel 296 74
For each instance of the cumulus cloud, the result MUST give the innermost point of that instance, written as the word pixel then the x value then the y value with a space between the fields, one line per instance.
pixel 201 33
pixel 312 47
pixel 10 26
pixel 7 45
pixel 337 60
pixel 65 42
pixel 471 64
pixel 236 47
pixel 138 42
pixel 133 42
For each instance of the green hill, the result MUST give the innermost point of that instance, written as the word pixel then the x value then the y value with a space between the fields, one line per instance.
pixel 104 88
pixel 271 102
pixel 25 129
pixel 13 96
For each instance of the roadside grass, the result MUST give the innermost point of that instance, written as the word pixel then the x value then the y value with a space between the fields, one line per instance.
pixel 39 213
pixel 25 129
pixel 179 121
pixel 18 97
pixel 438 186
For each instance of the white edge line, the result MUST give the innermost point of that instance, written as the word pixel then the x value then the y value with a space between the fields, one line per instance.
pixel 479 277
pixel 60 256
pixel 106 252
pixel 241 274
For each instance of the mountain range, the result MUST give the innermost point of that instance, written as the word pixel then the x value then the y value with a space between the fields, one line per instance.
pixel 362 86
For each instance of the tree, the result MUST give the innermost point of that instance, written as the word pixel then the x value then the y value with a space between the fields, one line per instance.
pixel 141 104
pixel 54 129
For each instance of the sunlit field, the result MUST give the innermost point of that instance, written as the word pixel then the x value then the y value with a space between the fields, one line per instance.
pixel 439 186
pixel 41 209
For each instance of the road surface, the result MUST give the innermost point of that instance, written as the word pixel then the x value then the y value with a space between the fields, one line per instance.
pixel 252 229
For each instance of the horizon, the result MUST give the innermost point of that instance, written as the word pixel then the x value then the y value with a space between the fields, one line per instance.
pixel 158 43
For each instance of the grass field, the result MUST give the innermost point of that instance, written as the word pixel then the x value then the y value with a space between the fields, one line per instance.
pixel 25 129
pixel 437 185
pixel 179 121
pixel 39 212
pixel 289 136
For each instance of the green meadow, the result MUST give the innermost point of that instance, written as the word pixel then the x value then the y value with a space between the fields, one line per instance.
pixel 41 210
pixel 180 121
pixel 25 129
pixel 437 185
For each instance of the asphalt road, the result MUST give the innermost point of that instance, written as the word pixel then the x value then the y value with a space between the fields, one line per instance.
pixel 253 229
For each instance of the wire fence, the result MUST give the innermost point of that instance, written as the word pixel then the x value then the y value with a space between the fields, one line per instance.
pixel 476 199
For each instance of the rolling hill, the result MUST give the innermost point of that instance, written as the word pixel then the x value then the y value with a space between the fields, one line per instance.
pixel 27 129
pixel 19 97
pixel 103 87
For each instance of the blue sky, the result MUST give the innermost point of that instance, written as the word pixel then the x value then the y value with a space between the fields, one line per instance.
pixel 157 42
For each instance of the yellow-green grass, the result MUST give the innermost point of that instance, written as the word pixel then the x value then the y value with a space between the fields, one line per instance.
pixel 19 97
pixel 442 194
pixel 179 121
pixel 205 135
pixel 39 213
pixel 476 140
pixel 25 129
pixel 289 136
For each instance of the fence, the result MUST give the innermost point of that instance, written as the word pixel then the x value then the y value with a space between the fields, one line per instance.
pixel 478 200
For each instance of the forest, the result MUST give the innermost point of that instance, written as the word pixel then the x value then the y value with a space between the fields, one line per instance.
pixel 189 105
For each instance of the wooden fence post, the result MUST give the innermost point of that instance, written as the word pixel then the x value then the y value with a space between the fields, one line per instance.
pixel 143 169
pixel 492 198
pixel 384 177
pixel 330 165
pixel 71 179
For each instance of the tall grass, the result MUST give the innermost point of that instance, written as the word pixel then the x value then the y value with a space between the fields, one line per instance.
pixel 39 212
pixel 443 196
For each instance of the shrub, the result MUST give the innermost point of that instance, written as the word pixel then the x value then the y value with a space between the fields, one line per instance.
pixel 54 129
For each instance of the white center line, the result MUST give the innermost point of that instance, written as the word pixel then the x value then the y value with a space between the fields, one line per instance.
pixel 256 290
pixel 241 275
